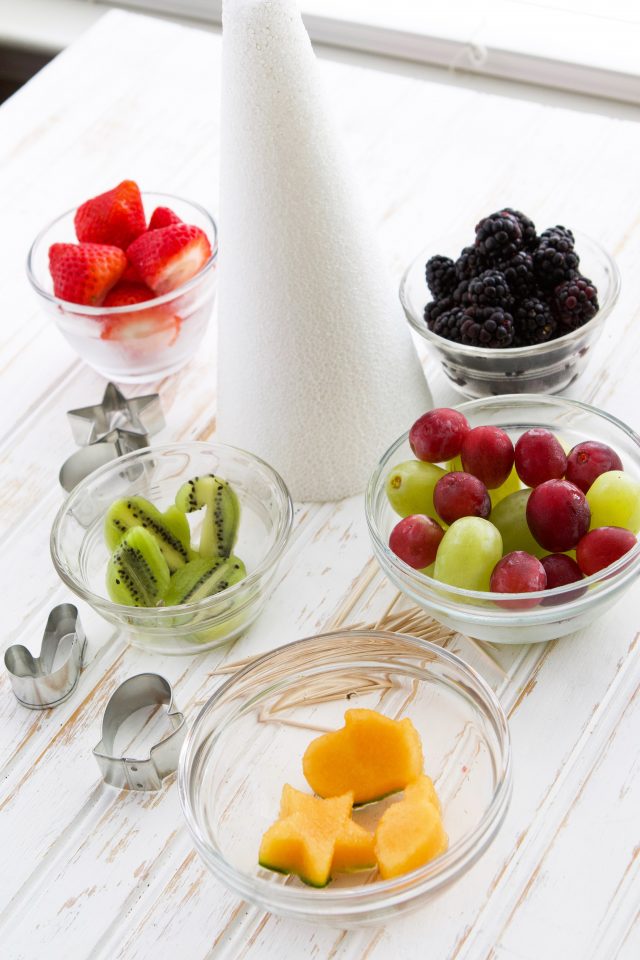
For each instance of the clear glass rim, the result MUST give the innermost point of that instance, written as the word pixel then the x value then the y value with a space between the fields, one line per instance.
pixel 516 353
pixel 382 894
pixel 207 605
pixel 444 594
pixel 89 311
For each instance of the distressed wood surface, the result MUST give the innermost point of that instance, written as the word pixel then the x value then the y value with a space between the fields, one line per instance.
pixel 90 872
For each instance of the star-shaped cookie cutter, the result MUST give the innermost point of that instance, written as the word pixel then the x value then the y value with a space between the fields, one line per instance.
pixel 141 415
pixel 107 430
pixel 51 677
pixel 142 690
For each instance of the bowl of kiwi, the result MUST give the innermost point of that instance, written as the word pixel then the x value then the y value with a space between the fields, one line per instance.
pixel 177 544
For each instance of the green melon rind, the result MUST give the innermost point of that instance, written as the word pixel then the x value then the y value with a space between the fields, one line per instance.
pixel 289 873
pixel 383 796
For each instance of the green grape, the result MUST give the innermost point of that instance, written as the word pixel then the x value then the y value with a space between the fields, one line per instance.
pixel 455 465
pixel 467 554
pixel 511 484
pixel 409 488
pixel 428 571
pixel 510 517
pixel 614 498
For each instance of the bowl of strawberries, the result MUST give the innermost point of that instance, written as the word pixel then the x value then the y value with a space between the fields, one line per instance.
pixel 130 280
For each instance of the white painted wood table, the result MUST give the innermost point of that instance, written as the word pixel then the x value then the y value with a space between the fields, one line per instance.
pixel 90 872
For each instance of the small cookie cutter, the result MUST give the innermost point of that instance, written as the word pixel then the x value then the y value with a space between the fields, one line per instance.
pixel 109 429
pixel 137 415
pixel 113 445
pixel 142 690
pixel 37 682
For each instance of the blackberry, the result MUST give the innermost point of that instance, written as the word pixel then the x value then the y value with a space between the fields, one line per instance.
pixel 518 272
pixel 469 264
pixel 575 302
pixel 487 327
pixel 528 227
pixel 434 309
pixel 490 289
pixel 557 231
pixel 460 295
pixel 533 322
pixel 498 237
pixel 441 276
pixel 448 324
pixel 555 260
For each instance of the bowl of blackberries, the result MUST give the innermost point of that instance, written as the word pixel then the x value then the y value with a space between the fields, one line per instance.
pixel 517 310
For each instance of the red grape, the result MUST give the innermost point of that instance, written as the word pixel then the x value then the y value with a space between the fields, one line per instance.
pixel 588 460
pixel 539 457
pixel 518 572
pixel 603 546
pixel 487 453
pixel 416 539
pixel 459 494
pixel 438 435
pixel 558 515
pixel 560 570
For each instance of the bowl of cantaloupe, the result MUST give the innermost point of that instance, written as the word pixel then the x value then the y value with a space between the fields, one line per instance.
pixel 347 777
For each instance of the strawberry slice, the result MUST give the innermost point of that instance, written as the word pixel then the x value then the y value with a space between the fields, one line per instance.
pixel 154 328
pixel 84 273
pixel 124 294
pixel 163 217
pixel 168 257
pixel 115 217
pixel 139 324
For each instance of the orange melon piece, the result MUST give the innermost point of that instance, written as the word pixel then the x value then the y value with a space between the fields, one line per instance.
pixel 371 755
pixel 303 842
pixel 422 790
pixel 354 845
pixel 410 832
pixel 353 850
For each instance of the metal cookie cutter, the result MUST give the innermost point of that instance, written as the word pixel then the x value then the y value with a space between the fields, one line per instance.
pixel 49 679
pixel 83 462
pixel 143 690
pixel 107 430
pixel 141 415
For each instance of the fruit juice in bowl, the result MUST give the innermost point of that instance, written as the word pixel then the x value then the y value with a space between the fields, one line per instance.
pixel 501 564
pixel 133 299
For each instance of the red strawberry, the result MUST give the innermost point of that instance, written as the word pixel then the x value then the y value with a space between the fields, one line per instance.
pixel 168 257
pixel 115 217
pixel 131 275
pixel 124 294
pixel 84 273
pixel 163 217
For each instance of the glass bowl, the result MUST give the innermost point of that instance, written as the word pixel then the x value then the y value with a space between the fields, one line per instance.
pixel 561 610
pixel 542 368
pixel 80 554
pixel 249 738
pixel 160 335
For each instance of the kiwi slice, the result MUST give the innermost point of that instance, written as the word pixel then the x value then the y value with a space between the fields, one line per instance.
pixel 171 528
pixel 220 525
pixel 203 578
pixel 137 573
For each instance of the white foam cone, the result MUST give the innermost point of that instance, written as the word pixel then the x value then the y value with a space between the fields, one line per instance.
pixel 317 372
